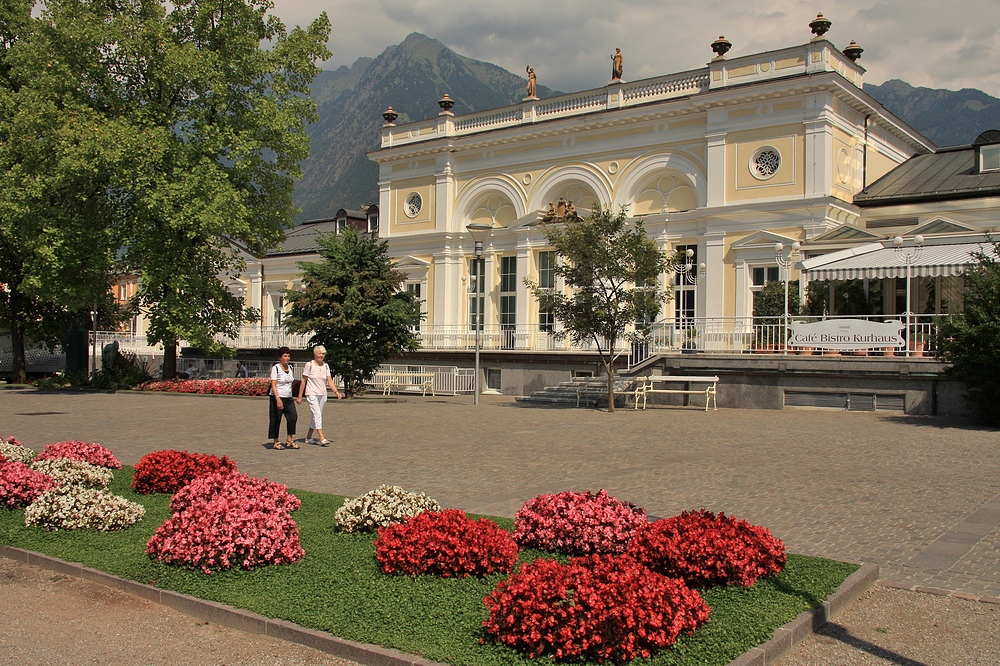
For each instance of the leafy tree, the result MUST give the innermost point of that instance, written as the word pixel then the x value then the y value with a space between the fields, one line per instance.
pixel 770 300
pixel 611 270
pixel 971 340
pixel 201 107
pixel 352 304
pixel 57 156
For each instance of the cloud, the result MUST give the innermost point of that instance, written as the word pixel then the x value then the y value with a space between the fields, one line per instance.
pixel 569 42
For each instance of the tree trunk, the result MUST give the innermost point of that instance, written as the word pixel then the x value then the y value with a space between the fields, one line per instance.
pixel 18 366
pixel 609 368
pixel 170 360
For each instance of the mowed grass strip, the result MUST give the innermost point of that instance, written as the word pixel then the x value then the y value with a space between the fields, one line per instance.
pixel 339 588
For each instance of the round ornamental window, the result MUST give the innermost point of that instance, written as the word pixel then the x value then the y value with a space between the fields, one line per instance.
pixel 413 204
pixel 765 163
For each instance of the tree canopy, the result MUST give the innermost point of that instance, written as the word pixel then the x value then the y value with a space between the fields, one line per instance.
pixel 155 139
pixel 971 339
pixel 611 271
pixel 352 304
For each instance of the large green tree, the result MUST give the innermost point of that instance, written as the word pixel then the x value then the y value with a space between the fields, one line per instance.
pixel 57 157
pixel 203 106
pixel 611 271
pixel 352 304
pixel 971 339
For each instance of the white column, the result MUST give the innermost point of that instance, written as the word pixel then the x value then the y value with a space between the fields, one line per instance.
pixel 716 171
pixel 712 288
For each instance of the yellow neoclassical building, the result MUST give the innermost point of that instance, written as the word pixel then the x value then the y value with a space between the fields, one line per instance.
pixel 721 162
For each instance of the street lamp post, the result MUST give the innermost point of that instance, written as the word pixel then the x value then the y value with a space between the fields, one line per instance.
pixel 479 233
pixel 908 255
pixel 687 275
pixel 786 261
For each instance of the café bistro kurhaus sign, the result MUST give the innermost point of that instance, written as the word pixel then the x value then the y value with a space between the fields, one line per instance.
pixel 846 334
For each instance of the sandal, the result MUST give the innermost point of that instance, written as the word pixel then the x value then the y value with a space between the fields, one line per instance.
pixel 278 446
pixel 324 442
pixel 291 445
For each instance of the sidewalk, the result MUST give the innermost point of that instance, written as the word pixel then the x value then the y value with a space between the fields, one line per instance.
pixel 918 496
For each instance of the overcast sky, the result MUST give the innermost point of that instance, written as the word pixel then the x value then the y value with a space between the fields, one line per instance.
pixel 950 44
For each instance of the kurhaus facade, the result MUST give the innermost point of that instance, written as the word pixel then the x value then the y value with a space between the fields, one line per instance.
pixel 720 162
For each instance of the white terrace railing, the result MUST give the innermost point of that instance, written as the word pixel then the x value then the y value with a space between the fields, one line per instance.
pixel 719 335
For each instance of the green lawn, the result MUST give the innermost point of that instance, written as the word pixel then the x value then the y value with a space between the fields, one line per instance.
pixel 338 588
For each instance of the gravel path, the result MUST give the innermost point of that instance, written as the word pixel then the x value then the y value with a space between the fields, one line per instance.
pixel 50 619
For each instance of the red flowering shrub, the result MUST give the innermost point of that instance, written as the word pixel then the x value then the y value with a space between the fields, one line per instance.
pixel 20 485
pixel 169 471
pixel 599 607
pixel 708 549
pixel 445 543
pixel 577 523
pixel 224 520
pixel 247 386
pixel 95 454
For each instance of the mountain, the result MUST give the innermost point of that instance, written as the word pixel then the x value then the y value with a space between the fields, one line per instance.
pixel 947 117
pixel 411 77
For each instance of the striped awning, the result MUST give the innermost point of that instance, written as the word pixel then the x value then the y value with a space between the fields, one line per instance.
pixel 876 260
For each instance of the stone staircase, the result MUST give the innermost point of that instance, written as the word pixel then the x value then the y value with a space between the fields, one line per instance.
pixel 589 391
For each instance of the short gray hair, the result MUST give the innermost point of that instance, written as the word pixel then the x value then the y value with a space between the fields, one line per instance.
pixel 319 348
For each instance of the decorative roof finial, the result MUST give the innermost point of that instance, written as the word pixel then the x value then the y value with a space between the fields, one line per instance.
pixel 721 47
pixel 390 116
pixel 446 103
pixel 853 51
pixel 820 25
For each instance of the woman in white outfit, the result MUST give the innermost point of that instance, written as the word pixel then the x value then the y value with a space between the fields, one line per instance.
pixel 315 378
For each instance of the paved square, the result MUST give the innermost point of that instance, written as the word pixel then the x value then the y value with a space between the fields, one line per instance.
pixel 918 496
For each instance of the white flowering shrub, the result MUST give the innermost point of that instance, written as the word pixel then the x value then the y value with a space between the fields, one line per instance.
pixel 77 507
pixel 380 507
pixel 70 472
pixel 13 450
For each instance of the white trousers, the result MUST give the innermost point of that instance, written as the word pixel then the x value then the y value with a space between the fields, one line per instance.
pixel 316 404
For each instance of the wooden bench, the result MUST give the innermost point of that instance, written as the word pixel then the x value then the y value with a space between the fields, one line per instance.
pixel 596 388
pixel 647 385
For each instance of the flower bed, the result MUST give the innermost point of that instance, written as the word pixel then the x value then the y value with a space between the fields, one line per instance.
pixel 77 507
pixel 71 472
pixel 577 523
pixel 380 507
pixel 248 386
pixel 20 485
pixel 12 449
pixel 598 607
pixel 95 454
pixel 224 520
pixel 168 471
pixel 447 544
pixel 708 549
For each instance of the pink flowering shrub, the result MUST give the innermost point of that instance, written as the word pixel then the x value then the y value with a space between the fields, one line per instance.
pixel 577 523
pixel 247 386
pixel 445 543
pixel 20 485
pixel 225 520
pixel 169 471
pixel 95 454
pixel 708 549
pixel 599 607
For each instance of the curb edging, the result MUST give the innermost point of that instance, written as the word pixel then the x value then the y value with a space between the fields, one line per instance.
pixel 783 640
pixel 226 616
pixel 792 633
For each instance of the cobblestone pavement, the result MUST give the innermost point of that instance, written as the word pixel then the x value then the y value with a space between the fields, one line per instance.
pixel 918 496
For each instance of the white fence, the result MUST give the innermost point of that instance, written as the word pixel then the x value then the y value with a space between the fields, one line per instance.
pixel 721 335
pixel 447 380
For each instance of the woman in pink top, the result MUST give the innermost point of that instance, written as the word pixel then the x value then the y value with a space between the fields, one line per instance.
pixel 315 378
